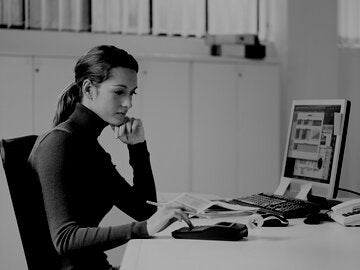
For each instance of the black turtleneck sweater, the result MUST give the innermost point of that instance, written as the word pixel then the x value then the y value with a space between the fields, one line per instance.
pixel 80 185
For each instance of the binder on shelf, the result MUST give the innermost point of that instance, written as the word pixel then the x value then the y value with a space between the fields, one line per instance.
pixel 98 15
pixel 160 14
pixel 136 16
pixel 49 15
pixel 65 15
pixel 143 26
pixel 114 16
pixel 232 16
pixel 175 17
pixel 74 15
pixel 184 18
pixel 13 13
pixel 2 20
pixel 80 15
pixel 33 14
pixel 193 23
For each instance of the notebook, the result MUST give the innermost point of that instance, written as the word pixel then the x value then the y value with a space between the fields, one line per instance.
pixel 314 149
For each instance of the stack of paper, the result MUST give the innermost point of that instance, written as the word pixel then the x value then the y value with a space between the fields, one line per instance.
pixel 201 207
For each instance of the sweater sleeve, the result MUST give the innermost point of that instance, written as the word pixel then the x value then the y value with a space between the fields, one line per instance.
pixel 132 199
pixel 54 163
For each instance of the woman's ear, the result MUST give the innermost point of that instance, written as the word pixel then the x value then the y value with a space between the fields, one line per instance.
pixel 88 90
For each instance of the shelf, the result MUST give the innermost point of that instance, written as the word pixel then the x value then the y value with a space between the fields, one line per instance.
pixel 18 42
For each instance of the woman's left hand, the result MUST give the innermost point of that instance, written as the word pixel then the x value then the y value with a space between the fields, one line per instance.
pixel 131 131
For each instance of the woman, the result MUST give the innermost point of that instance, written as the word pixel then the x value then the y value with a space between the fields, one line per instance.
pixel 79 182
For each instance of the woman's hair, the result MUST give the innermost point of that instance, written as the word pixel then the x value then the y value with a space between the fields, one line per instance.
pixel 95 66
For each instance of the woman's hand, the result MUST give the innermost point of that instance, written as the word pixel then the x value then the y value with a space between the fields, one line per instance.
pixel 165 216
pixel 131 131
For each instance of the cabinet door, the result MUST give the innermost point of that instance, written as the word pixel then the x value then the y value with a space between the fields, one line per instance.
pixel 15 120
pixel 15 96
pixel 258 128
pixel 214 128
pixel 51 76
pixel 164 87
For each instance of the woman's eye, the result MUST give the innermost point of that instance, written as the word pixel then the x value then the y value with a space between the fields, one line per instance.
pixel 119 93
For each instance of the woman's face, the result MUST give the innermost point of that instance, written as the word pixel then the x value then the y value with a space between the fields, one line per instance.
pixel 113 97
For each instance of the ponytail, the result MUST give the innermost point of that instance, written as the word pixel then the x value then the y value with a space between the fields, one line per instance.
pixel 66 103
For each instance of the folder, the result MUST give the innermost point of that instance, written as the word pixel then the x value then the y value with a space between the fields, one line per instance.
pixel 49 15
pixel 33 14
pixel 13 13
pixel 80 15
pixel 98 15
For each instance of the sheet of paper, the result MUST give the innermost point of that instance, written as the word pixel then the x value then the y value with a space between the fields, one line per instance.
pixel 201 205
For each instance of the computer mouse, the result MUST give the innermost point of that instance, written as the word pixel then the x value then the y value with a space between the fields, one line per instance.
pixel 274 220
pixel 318 218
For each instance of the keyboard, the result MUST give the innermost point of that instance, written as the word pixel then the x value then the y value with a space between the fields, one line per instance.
pixel 281 205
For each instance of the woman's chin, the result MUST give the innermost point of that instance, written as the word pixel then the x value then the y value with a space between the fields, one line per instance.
pixel 117 122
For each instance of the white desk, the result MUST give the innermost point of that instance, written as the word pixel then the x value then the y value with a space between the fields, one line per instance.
pixel 298 246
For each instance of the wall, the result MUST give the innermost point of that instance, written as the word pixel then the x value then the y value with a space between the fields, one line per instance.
pixel 349 86
pixel 305 33
pixel 313 67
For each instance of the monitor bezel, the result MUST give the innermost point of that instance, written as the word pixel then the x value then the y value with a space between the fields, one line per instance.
pixel 328 190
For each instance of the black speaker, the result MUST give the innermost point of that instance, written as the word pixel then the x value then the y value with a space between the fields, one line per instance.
pixel 256 51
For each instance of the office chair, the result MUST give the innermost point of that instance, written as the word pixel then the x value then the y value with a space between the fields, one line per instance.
pixel 27 200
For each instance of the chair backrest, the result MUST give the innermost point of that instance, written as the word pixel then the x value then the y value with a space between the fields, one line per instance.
pixel 27 200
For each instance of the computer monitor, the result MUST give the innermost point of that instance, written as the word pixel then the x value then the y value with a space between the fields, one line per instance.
pixel 315 146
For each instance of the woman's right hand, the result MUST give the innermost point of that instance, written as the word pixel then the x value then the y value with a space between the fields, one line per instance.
pixel 131 131
pixel 165 216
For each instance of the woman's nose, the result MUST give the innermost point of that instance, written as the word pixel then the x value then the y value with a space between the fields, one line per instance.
pixel 127 102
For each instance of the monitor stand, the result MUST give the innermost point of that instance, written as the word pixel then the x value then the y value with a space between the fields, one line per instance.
pixel 284 185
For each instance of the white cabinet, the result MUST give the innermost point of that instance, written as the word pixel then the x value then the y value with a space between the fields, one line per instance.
pixel 214 128
pixel 165 91
pixel 258 119
pixel 15 96
pixel 235 128
pixel 51 76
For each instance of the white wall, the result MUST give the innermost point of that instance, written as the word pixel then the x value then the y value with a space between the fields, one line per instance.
pixel 306 40
pixel 349 87
pixel 313 67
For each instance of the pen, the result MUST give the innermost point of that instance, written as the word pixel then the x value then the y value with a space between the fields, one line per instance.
pixel 155 203
pixel 188 222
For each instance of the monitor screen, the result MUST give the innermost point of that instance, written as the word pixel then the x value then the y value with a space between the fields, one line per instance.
pixel 316 141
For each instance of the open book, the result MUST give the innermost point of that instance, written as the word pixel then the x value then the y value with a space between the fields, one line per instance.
pixel 201 207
